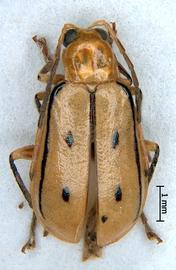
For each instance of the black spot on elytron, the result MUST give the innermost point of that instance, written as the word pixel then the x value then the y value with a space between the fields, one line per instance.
pixel 66 194
pixel 104 219
pixel 69 139
pixel 118 193
pixel 115 139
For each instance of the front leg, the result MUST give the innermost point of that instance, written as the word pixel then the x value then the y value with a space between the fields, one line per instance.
pixel 42 43
pixel 44 73
pixel 133 78
pixel 134 90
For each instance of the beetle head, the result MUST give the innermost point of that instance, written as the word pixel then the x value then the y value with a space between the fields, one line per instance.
pixel 88 56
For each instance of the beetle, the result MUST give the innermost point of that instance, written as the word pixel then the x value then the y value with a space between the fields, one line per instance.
pixel 91 166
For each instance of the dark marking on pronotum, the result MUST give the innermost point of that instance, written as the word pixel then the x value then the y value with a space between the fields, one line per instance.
pixel 118 193
pixel 66 194
pixel 104 219
pixel 115 139
pixel 135 145
pixel 69 139
pixel 54 93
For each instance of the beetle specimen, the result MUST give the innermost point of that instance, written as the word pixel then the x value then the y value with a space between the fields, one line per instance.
pixel 91 166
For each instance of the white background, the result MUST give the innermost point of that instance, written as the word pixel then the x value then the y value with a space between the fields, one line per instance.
pixel 147 29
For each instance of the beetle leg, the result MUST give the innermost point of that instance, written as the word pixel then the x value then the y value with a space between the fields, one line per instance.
pixel 39 97
pixel 153 147
pixel 138 103
pixel 31 241
pixel 149 232
pixel 90 240
pixel 138 92
pixel 42 43
pixel 124 72
pixel 21 153
pixel 127 60
pixel 138 99
pixel 21 205
pixel 24 153
pixel 114 28
pixel 45 233
pixel 43 75
pixel 135 91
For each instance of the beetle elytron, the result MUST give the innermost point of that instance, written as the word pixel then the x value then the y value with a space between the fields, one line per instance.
pixel 90 166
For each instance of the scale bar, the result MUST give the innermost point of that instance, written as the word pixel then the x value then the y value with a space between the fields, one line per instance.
pixel 160 202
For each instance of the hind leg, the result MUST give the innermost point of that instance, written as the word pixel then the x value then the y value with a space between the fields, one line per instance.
pixel 151 147
pixel 24 153
pixel 30 244
pixel 149 231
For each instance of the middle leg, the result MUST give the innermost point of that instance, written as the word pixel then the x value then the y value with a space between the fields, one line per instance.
pixel 152 147
pixel 38 98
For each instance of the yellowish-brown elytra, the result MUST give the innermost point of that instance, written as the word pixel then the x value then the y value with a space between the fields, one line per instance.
pixel 91 166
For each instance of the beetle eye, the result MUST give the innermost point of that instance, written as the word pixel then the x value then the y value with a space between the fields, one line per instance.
pixel 70 36
pixel 102 33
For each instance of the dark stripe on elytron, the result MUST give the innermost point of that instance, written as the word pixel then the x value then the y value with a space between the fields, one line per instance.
pixel 54 93
pixel 135 147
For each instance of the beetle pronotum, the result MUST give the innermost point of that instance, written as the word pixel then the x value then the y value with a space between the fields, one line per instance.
pixel 90 166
